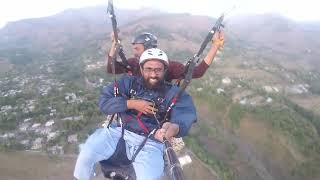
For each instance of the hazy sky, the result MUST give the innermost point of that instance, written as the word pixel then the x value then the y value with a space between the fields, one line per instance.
pixel 12 10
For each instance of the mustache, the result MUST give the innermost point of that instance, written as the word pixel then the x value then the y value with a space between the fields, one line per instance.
pixel 154 78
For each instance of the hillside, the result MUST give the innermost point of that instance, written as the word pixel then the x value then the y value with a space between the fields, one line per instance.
pixel 258 104
pixel 275 34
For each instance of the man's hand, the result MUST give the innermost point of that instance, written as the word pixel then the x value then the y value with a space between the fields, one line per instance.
pixel 112 35
pixel 168 130
pixel 113 45
pixel 218 38
pixel 143 106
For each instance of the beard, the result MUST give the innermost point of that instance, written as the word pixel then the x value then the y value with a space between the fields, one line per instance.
pixel 154 83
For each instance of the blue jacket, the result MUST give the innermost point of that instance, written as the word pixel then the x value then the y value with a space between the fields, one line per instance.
pixel 183 113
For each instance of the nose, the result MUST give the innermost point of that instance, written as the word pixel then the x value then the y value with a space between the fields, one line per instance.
pixel 153 74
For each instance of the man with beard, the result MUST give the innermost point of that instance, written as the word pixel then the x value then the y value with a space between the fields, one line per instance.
pixel 175 69
pixel 141 103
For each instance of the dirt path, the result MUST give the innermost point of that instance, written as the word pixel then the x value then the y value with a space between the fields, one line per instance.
pixel 34 166
pixel 22 165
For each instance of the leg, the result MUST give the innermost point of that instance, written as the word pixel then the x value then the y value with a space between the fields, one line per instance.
pixel 99 146
pixel 149 163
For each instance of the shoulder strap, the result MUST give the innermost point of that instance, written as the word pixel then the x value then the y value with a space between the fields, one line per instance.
pixel 133 89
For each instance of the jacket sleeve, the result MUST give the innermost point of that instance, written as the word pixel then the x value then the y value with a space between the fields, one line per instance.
pixel 184 114
pixel 109 104
pixel 118 68
pixel 200 69
pixel 177 69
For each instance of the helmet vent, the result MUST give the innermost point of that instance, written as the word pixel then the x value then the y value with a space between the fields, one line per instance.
pixel 154 53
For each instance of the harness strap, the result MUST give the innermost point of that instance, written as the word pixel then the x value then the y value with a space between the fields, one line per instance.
pixel 121 149
pixel 115 89
pixel 173 102
pixel 111 119
pixel 124 63
pixel 133 90
pixel 142 144
pixel 145 129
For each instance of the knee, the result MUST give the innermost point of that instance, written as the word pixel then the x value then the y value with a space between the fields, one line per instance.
pixel 150 171
pixel 84 165
pixel 150 175
pixel 86 156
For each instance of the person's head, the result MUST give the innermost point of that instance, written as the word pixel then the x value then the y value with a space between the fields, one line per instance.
pixel 153 66
pixel 143 42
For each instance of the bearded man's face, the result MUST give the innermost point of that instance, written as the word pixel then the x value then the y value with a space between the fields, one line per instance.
pixel 153 72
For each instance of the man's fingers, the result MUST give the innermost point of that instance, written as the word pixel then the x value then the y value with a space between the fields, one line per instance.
pixel 112 36
pixel 166 125
pixel 152 109
pixel 221 35
pixel 163 131
pixel 146 107
pixel 149 110
pixel 172 130
pixel 160 134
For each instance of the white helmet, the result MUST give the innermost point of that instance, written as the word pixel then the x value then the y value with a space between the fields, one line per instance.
pixel 154 53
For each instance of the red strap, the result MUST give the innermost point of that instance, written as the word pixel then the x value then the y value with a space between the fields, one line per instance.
pixel 141 123
pixel 174 101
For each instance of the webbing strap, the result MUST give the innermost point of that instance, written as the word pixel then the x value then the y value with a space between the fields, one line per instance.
pixel 145 129
pixel 173 102
pixel 142 144
pixel 144 140
pixel 111 119
pixel 115 89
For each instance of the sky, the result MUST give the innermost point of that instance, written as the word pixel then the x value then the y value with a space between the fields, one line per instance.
pixel 299 10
